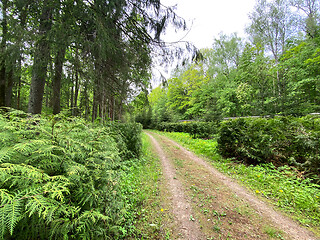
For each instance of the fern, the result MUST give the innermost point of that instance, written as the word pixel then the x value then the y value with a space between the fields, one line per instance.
pixel 13 212
pixel 58 177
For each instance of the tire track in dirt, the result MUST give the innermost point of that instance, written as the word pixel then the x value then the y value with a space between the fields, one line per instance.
pixel 181 207
pixel 291 228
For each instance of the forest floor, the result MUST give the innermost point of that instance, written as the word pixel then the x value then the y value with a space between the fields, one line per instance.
pixel 205 204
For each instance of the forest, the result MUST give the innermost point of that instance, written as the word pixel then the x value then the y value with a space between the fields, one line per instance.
pixel 76 94
pixel 273 72
pixel 89 57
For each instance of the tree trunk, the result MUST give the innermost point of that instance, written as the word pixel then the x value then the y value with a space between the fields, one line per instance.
pixel 9 87
pixel 94 106
pixel 3 55
pixel 71 97
pixel 56 85
pixel 111 107
pixel 23 19
pixel 84 103
pixel 19 86
pixel 41 60
pixel 76 90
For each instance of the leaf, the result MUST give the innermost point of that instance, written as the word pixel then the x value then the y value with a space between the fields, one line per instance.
pixel 13 211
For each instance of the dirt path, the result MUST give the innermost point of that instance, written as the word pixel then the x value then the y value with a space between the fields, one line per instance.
pixel 220 208
pixel 181 207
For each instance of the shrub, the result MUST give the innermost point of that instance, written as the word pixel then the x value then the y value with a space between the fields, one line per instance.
pixel 59 178
pixel 281 140
pixel 128 137
pixel 195 129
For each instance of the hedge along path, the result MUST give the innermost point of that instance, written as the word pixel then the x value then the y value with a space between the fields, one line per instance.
pixel 292 229
pixel 181 207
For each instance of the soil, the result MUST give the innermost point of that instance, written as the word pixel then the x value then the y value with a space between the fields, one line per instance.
pixel 181 207
pixel 206 204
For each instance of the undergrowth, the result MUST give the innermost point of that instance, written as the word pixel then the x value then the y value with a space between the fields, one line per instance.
pixel 283 186
pixel 64 178
pixel 144 183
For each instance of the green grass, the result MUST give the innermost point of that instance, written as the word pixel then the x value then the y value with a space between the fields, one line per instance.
pixel 140 184
pixel 273 233
pixel 281 186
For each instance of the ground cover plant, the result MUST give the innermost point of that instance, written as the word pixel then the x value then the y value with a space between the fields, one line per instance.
pixel 64 178
pixel 281 186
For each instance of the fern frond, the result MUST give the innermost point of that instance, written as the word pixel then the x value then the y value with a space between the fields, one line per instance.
pixel 40 205
pixel 87 219
pixel 5 196
pixel 2 222
pixel 29 147
pixel 6 154
pixel 76 169
pixel 6 137
pixel 13 211
pixel 57 190
pixel 29 172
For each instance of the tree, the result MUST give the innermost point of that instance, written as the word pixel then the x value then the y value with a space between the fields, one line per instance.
pixel 272 24
pixel 300 65
pixel 41 59
pixel 224 56
pixel 256 82
pixel 159 104
pixel 3 53
pixel 310 15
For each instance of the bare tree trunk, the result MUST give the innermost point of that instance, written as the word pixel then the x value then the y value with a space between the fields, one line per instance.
pixel 56 85
pixel 3 55
pixel 76 90
pixel 94 106
pixel 23 19
pixel 111 107
pixel 9 87
pixel 41 60
pixel 19 85
pixel 84 103
pixel 71 97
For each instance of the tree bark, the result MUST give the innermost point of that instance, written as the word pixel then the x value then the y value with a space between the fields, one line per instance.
pixel 71 97
pixel 23 19
pixel 3 54
pixel 9 87
pixel 94 106
pixel 41 60
pixel 84 103
pixel 76 90
pixel 56 85
pixel 19 83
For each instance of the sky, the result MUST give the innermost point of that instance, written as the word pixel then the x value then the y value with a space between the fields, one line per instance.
pixel 207 18
pixel 210 17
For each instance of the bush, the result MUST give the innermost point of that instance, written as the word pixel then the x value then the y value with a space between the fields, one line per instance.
pixel 195 129
pixel 59 177
pixel 281 140
pixel 128 137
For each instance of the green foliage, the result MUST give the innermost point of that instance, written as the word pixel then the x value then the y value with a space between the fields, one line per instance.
pixel 181 89
pixel 140 186
pixel 281 140
pixel 195 129
pixel 130 134
pixel 159 103
pixel 59 177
